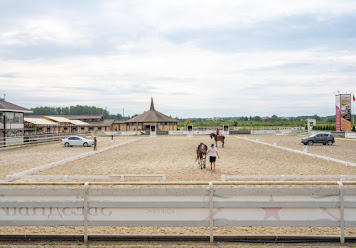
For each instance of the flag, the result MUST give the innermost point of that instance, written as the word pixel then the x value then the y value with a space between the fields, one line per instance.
pixel 353 98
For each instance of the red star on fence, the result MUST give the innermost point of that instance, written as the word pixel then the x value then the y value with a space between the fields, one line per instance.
pixel 271 212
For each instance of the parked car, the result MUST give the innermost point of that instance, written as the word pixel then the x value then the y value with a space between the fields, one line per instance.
pixel 76 141
pixel 323 138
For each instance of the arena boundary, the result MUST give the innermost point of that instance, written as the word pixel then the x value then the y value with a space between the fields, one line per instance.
pixel 64 161
pixel 329 159
pixel 293 204
pixel 283 178
pixel 67 178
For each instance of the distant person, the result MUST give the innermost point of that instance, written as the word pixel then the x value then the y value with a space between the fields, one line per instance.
pixel 95 143
pixel 217 132
pixel 213 152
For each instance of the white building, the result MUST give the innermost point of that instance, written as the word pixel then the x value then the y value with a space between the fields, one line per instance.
pixel 11 123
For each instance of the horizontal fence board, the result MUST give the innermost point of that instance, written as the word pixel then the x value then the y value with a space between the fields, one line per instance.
pixel 41 204
pixel 276 191
pixel 41 223
pixel 43 192
pixel 276 204
pixel 349 191
pixel 170 204
pixel 350 223
pixel 191 191
pixel 149 223
pixel 326 223
pixel 349 204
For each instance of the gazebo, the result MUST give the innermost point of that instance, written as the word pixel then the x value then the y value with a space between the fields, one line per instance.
pixel 152 117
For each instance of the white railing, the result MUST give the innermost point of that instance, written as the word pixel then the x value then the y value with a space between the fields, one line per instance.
pixel 214 205
pixel 284 178
pixel 67 178
pixel 33 139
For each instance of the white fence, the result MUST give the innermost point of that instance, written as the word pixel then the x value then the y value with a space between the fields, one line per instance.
pixel 284 178
pixel 67 178
pixel 33 139
pixel 303 204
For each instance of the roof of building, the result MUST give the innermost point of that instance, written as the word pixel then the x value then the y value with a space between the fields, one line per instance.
pixel 152 115
pixel 7 106
pixel 82 117
pixel 79 123
pixel 39 121
pixel 119 122
pixel 58 119
pixel 103 123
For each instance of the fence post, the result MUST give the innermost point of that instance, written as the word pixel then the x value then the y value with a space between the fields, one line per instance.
pixel 211 206
pixel 85 212
pixel 342 213
pixel 305 149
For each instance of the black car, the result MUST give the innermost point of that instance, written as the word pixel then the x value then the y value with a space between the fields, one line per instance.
pixel 323 138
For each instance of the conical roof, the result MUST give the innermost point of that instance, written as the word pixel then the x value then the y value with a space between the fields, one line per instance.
pixel 152 115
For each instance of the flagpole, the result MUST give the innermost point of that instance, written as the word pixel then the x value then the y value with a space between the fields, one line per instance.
pixel 352 110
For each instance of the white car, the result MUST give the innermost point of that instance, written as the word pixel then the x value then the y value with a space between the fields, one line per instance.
pixel 76 141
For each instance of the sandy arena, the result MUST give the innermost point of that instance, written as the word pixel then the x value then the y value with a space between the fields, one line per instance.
pixel 174 156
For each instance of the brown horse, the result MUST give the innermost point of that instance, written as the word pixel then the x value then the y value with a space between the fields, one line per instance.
pixel 219 138
pixel 201 155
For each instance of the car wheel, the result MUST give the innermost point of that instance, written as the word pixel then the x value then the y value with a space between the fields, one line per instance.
pixel 324 144
pixel 85 144
pixel 66 144
pixel 330 143
pixel 310 143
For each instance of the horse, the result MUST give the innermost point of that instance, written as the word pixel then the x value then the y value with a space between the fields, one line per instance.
pixel 201 155
pixel 219 138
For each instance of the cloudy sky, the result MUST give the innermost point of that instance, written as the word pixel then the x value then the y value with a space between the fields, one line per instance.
pixel 196 58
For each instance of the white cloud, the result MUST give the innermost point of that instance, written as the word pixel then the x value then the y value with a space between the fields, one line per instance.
pixel 128 58
pixel 39 31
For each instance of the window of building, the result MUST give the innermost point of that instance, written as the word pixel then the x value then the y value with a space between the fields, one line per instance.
pixel 159 123
pixel 99 128
pixel 18 118
pixel 9 117
pixel 1 119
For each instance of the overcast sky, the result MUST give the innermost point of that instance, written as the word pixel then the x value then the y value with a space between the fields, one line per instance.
pixel 196 58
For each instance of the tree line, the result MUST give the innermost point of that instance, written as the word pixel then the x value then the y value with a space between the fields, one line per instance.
pixel 76 110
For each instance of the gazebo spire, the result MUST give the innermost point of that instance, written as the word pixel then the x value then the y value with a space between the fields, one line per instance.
pixel 152 105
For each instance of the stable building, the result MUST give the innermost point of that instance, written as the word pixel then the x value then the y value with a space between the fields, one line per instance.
pixel 143 121
pixel 11 123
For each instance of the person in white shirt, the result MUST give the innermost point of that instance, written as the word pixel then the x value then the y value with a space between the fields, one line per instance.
pixel 213 152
